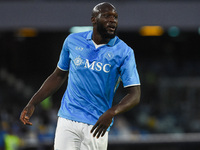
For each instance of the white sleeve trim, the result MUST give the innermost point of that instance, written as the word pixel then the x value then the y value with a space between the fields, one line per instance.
pixel 131 85
pixel 62 69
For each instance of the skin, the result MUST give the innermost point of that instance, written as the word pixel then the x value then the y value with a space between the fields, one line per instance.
pixel 48 88
pixel 105 20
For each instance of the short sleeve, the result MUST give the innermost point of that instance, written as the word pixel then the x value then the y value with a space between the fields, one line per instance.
pixel 128 70
pixel 64 60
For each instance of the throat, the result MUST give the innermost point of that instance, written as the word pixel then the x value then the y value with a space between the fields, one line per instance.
pixel 99 39
pixel 97 45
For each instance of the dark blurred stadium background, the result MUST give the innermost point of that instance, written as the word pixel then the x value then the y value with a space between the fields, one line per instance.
pixel 165 35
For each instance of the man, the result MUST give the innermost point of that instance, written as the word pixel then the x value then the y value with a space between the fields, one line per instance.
pixel 96 60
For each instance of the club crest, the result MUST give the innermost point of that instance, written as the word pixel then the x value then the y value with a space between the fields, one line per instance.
pixel 109 55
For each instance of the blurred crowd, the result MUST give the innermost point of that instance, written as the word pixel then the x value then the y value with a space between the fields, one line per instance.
pixel 153 115
pixel 170 83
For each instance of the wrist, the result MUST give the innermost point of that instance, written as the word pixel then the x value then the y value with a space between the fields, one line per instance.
pixel 112 111
pixel 32 103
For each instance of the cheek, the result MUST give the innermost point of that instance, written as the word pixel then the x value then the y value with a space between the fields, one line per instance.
pixel 101 23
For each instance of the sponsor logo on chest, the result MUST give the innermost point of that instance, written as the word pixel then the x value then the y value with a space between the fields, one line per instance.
pixel 94 65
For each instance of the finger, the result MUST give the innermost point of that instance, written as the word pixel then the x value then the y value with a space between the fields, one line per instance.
pixel 26 117
pixel 29 123
pixel 23 121
pixel 103 132
pixel 100 132
pixel 94 127
pixel 27 120
pixel 97 130
pixel 22 117
pixel 23 114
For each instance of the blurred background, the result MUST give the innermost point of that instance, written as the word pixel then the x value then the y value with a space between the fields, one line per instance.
pixel 165 36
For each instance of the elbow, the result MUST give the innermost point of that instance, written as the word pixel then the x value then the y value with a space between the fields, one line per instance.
pixel 134 102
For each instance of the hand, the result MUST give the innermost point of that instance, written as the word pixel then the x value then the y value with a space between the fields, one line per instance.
pixel 26 114
pixel 102 124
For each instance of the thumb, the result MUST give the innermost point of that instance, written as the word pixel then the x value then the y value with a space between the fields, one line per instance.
pixel 27 120
pixel 26 117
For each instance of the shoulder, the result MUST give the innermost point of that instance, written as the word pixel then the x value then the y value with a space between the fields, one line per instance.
pixel 78 35
pixel 75 38
pixel 121 45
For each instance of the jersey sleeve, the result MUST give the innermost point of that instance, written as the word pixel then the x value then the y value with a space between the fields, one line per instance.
pixel 64 60
pixel 128 70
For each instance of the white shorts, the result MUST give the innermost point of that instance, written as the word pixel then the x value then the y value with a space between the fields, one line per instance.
pixel 72 135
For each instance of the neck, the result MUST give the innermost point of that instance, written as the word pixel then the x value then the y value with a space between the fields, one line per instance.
pixel 98 39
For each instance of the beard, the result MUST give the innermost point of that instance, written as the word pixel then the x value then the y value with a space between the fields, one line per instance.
pixel 104 33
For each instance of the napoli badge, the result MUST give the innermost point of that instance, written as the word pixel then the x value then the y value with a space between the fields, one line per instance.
pixel 109 55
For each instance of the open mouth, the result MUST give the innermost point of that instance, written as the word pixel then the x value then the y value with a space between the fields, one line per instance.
pixel 111 28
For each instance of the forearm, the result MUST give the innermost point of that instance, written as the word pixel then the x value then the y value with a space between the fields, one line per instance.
pixel 49 87
pixel 128 102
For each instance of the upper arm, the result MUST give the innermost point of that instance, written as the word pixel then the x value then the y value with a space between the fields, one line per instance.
pixel 60 74
pixel 134 90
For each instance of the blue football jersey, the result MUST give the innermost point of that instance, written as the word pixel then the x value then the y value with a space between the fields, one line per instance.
pixel 94 75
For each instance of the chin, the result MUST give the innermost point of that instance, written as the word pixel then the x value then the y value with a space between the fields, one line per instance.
pixel 109 34
pixel 106 34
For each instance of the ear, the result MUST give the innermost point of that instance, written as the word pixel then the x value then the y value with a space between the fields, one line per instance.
pixel 93 20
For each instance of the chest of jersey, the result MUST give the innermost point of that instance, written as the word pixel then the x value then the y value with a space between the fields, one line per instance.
pixel 84 55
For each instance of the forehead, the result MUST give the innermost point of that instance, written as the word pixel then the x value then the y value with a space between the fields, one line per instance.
pixel 106 9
